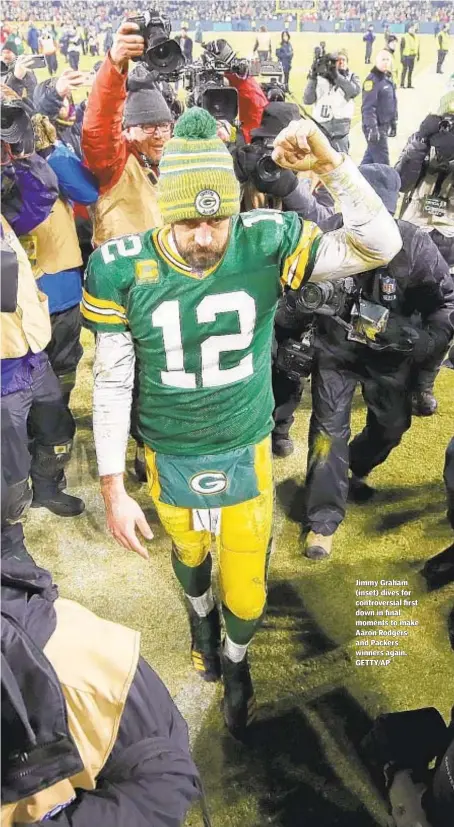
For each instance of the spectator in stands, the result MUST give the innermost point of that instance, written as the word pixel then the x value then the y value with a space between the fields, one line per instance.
pixel 284 53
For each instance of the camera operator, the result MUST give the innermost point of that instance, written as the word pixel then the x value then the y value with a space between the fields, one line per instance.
pixel 34 417
pixel 416 280
pixel 18 76
pixel 123 136
pixel 251 97
pixel 379 110
pixel 90 734
pixel 426 168
pixel 332 88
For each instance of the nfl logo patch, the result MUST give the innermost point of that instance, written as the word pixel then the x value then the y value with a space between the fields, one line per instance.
pixel 147 270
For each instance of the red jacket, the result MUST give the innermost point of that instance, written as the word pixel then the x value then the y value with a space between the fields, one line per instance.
pixel 105 148
pixel 251 101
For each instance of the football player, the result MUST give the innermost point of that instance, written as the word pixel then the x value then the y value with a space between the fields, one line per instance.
pixel 193 303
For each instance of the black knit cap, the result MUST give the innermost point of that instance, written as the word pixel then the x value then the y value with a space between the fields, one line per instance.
pixel 276 116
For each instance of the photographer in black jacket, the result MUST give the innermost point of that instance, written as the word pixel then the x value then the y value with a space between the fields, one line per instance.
pixel 377 353
pixel 426 168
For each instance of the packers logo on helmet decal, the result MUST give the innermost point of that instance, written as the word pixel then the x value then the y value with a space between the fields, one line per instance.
pixel 209 482
pixel 207 202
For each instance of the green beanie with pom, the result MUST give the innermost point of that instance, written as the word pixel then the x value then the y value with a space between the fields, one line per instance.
pixel 197 178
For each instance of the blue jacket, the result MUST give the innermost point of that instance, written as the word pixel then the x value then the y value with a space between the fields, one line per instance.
pixel 76 182
pixel 379 107
pixel 284 53
pixel 33 37
pixel 369 37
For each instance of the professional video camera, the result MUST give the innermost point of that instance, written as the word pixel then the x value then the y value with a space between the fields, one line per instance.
pixel 273 85
pixel 161 53
pixel 205 80
pixel 325 66
pixel 16 130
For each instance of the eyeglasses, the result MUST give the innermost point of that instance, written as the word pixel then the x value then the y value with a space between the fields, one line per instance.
pixel 153 129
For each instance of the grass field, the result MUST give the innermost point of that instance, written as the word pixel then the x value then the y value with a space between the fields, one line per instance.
pixel 301 766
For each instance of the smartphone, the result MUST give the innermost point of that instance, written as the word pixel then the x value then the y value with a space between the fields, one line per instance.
pixel 36 62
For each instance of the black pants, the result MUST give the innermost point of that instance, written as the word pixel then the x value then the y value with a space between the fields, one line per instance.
pixel 386 394
pixel 287 396
pixel 37 429
pixel 441 59
pixel 286 77
pixel 448 476
pixel 52 64
pixel 64 349
pixel 368 53
pixel 74 58
pixel 408 64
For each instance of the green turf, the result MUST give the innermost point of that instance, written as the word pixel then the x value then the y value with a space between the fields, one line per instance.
pixel 301 766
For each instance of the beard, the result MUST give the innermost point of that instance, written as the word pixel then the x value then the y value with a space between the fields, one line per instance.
pixel 200 258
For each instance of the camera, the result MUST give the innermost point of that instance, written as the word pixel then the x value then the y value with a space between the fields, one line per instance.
pixel 16 128
pixel 205 83
pixel 274 90
pixel 325 66
pixel 328 298
pixel 447 123
pixel 266 169
pixel 161 54
pixel 295 356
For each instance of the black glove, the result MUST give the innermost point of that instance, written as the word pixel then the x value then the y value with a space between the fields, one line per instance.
pixel 401 336
pixel 373 135
pixel 245 161
pixel 392 131
pixel 220 49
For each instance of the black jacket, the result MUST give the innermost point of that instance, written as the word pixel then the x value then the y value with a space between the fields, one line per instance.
pixel 149 777
pixel 48 102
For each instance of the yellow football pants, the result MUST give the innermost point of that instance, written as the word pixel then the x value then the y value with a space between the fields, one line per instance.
pixel 243 541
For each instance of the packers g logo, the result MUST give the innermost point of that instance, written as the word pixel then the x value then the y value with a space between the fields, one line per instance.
pixel 208 482
pixel 207 202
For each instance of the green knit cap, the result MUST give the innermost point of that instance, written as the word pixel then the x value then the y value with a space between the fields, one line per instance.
pixel 197 178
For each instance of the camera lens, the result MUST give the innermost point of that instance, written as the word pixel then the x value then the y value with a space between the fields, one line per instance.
pixel 8 116
pixel 267 169
pixel 165 56
pixel 311 296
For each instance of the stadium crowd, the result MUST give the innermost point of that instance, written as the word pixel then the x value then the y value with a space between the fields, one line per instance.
pixel 220 257
pixel 227 10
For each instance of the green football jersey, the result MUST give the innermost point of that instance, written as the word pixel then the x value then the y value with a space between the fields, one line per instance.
pixel 202 339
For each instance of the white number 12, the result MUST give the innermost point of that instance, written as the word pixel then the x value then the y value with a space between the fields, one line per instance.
pixel 167 316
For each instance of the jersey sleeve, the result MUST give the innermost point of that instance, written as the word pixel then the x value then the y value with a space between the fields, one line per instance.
pixel 299 244
pixel 104 296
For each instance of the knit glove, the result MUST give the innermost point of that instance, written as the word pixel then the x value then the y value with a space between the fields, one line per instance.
pixel 373 135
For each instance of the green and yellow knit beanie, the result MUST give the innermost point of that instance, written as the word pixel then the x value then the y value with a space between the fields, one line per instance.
pixel 197 178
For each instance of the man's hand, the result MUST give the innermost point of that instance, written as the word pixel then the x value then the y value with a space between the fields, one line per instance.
pixel 68 81
pixel 303 146
pixel 127 44
pixel 22 65
pixel 124 515
pixel 392 132
pixel 373 135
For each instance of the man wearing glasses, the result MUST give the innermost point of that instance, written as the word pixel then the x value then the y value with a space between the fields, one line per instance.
pixel 124 134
